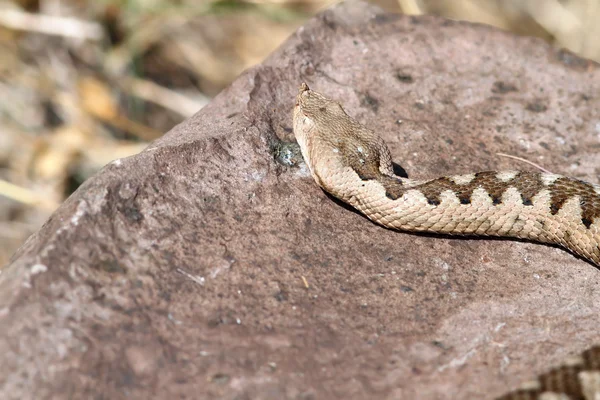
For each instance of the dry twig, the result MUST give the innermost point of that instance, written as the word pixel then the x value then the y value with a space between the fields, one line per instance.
pixel 51 25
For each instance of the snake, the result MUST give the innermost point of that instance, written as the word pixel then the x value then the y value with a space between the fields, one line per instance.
pixel 352 163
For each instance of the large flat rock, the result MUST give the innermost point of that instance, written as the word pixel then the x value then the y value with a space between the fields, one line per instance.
pixel 204 268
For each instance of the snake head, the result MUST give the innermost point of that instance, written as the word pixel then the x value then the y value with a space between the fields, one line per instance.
pixel 315 106
pixel 307 99
pixel 303 88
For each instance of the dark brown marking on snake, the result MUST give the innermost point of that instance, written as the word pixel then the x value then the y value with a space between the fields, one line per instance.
pixel 563 379
pixel 366 174
pixel 366 171
pixel 465 199
pixel 393 187
pixel 367 167
pixel 564 188
pixel 527 183
pixel 432 193
pixel 591 358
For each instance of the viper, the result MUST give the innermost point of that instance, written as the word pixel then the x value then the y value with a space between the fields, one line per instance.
pixel 352 163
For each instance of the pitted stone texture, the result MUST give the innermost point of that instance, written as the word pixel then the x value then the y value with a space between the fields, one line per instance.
pixel 201 268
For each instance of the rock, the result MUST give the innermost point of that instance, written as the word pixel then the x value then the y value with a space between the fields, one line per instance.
pixel 205 268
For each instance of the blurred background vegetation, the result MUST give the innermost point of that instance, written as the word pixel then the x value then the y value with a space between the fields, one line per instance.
pixel 84 82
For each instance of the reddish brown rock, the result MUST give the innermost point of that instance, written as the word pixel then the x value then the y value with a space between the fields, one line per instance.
pixel 203 268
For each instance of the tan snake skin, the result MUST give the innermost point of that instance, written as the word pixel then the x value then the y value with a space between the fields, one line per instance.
pixel 353 163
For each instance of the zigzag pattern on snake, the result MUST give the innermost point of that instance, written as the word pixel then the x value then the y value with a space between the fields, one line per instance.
pixel 353 163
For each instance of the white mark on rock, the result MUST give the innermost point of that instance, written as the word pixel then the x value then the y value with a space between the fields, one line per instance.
pixel 38 269
pixel 224 265
pixel 81 208
pixel 127 191
pixel 458 362
pixel 525 143
pixel 257 176
pixel 172 319
pixel 97 199
pixel 359 149
pixel 194 278
pixel 504 363
pixel 117 162
pixel 442 264
pixel 336 150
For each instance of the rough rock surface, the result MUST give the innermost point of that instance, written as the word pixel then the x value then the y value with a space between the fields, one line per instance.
pixel 203 268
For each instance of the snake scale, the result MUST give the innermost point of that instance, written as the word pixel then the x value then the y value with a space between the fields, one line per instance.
pixel 352 163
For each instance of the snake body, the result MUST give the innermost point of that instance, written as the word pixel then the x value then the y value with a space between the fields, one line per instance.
pixel 353 163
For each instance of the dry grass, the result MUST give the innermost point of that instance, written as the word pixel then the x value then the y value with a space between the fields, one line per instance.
pixel 85 82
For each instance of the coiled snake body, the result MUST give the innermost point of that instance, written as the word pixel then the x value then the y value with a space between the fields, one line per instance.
pixel 353 163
